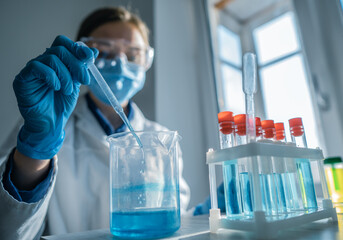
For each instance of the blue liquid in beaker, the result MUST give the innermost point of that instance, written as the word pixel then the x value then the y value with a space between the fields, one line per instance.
pixel 145 223
pixel 306 184
pixel 231 189
pixel 246 193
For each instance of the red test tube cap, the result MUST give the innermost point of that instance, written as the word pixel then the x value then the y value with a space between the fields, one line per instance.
pixel 225 120
pixel 279 127
pixel 267 124
pixel 240 122
pixel 279 131
pixel 257 121
pixel 258 126
pixel 295 122
pixel 240 119
pixel 268 127
pixel 225 116
pixel 296 127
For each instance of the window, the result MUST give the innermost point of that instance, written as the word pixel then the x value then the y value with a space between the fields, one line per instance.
pixel 283 79
pixel 276 39
pixel 230 55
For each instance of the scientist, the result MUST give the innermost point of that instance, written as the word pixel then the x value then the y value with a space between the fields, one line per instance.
pixel 54 168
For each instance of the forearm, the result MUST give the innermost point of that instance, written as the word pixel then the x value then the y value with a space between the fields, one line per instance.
pixel 28 172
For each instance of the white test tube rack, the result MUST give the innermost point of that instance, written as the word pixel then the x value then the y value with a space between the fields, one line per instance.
pixel 265 227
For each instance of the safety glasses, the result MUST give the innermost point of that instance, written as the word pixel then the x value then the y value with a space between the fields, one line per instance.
pixel 115 48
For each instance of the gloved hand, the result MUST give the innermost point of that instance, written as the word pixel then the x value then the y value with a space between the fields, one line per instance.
pixel 47 89
pixel 204 208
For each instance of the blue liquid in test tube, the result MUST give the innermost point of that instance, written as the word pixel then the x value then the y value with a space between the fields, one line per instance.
pixel 279 170
pixel 292 188
pixel 246 193
pixel 268 186
pixel 306 184
pixel 291 192
pixel 231 189
pixel 268 199
pixel 281 198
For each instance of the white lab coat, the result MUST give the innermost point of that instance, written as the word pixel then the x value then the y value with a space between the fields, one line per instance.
pixel 78 198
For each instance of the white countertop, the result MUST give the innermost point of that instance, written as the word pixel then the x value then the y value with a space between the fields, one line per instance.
pixel 197 228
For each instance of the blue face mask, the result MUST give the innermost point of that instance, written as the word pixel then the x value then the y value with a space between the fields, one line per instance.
pixel 125 79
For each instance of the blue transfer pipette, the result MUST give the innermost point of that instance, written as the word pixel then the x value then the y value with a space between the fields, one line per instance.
pixel 110 96
pixel 249 88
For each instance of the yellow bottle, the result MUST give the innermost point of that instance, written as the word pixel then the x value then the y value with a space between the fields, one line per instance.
pixel 334 177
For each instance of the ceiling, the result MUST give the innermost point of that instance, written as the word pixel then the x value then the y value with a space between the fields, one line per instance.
pixel 244 9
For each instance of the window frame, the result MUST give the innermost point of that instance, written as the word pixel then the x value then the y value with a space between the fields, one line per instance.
pixel 248 45
pixel 229 22
pixel 266 16
pixel 223 61
pixel 244 29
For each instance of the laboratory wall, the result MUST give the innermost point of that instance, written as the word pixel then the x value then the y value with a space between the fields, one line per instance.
pixel 29 27
pixel 321 26
pixel 185 95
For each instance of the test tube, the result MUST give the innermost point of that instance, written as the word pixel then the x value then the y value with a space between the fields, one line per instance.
pixel 268 182
pixel 233 203
pixel 244 178
pixel 303 165
pixel 289 173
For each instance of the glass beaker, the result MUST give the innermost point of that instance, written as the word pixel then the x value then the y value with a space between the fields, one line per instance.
pixel 144 184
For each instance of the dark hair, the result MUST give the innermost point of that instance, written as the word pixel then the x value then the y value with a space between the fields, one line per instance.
pixel 111 14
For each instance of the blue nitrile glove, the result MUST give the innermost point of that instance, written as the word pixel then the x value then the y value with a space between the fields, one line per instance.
pixel 47 90
pixel 204 208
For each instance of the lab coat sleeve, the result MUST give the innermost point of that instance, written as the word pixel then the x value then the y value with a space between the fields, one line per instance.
pixel 184 188
pixel 32 195
pixel 20 220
